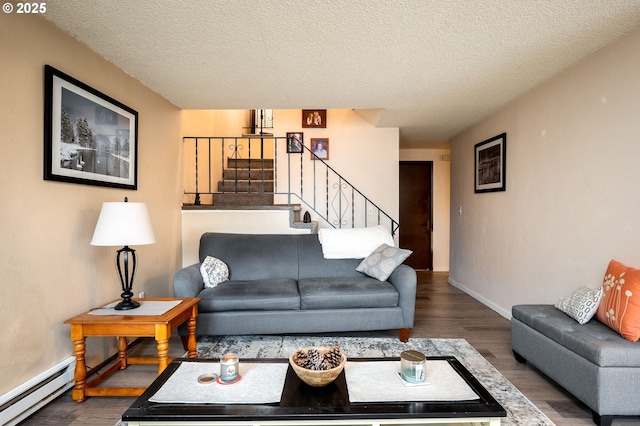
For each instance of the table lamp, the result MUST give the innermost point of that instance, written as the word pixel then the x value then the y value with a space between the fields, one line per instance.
pixel 124 224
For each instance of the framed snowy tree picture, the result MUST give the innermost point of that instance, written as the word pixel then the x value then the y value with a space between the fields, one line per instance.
pixel 89 137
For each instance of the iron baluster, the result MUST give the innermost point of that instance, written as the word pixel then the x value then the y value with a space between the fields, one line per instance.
pixel 197 197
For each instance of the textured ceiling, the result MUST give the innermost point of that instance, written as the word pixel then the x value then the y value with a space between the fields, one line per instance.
pixel 430 67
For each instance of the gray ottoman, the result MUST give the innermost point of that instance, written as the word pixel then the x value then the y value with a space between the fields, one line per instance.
pixel 591 361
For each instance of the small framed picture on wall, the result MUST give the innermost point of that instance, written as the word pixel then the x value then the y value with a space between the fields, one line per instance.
pixel 491 164
pixel 295 141
pixel 320 149
pixel 314 118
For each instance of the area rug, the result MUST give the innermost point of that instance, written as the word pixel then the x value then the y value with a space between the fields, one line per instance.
pixel 520 411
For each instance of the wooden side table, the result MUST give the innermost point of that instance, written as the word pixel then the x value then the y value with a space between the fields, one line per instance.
pixel 123 326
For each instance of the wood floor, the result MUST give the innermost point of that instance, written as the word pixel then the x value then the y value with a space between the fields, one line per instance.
pixel 442 311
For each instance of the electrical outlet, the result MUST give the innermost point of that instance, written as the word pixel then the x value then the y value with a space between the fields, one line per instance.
pixel 141 295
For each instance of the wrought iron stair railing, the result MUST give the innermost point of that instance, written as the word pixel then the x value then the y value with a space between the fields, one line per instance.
pixel 261 170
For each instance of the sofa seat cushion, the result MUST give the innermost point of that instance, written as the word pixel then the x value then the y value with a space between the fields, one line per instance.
pixel 253 295
pixel 346 293
pixel 593 341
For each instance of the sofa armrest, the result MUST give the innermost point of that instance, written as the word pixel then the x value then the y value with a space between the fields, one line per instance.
pixel 188 282
pixel 405 280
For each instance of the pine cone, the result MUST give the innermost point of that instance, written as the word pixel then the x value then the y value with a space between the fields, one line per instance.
pixel 306 363
pixel 316 358
pixel 300 354
pixel 334 356
pixel 301 359
pixel 324 365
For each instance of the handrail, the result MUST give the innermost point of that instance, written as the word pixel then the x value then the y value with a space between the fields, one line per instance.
pixel 310 181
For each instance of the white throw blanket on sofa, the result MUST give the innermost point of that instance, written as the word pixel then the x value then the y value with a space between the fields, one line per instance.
pixel 353 243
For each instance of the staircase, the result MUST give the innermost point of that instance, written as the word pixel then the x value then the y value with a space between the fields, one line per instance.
pixel 246 182
pixel 218 179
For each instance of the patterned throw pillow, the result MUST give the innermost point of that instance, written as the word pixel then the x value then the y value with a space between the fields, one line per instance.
pixel 620 304
pixel 582 304
pixel 383 261
pixel 214 271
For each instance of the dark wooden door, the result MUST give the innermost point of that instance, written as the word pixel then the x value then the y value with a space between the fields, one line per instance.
pixel 415 212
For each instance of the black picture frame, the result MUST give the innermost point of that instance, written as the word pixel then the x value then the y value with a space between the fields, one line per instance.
pixel 490 164
pixel 295 142
pixel 89 137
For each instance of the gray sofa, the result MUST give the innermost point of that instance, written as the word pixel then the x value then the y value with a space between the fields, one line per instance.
pixel 591 361
pixel 282 284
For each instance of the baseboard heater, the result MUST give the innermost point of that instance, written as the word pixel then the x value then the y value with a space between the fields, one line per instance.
pixel 19 403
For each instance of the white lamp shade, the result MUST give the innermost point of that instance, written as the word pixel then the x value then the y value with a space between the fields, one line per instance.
pixel 123 224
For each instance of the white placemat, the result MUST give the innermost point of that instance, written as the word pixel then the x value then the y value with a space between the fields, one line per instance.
pixel 148 307
pixel 378 381
pixel 261 383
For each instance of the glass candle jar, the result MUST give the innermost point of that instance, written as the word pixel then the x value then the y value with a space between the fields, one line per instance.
pixel 413 366
pixel 229 367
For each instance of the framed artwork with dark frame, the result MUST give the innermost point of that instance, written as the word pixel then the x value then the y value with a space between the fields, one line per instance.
pixel 491 164
pixel 319 149
pixel 295 141
pixel 89 138
pixel 314 118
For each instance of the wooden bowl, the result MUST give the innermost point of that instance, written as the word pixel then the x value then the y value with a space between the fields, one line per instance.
pixel 317 378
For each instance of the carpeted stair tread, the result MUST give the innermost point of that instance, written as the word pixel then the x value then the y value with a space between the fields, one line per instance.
pixel 254 163
pixel 245 186
pixel 242 199
pixel 245 174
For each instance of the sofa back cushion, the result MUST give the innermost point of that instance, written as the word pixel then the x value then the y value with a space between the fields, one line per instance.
pixel 251 256
pixel 314 265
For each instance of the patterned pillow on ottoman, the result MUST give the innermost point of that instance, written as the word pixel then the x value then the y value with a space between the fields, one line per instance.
pixel 582 304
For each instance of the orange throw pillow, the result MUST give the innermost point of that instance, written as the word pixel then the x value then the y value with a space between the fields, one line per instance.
pixel 620 304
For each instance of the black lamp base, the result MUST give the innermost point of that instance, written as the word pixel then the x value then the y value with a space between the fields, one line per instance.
pixel 126 278
pixel 126 304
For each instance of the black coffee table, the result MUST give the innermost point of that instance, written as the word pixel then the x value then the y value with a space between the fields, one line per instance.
pixel 301 404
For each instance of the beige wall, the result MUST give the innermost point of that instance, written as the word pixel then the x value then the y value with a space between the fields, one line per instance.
pixel 572 197
pixel 441 200
pixel 48 270
pixel 214 122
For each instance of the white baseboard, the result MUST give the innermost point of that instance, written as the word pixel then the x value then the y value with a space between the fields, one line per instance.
pixel 19 403
pixel 481 299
